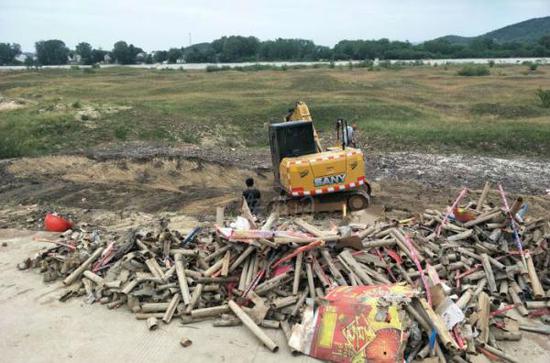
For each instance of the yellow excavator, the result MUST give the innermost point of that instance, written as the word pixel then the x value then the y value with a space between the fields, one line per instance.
pixel 310 179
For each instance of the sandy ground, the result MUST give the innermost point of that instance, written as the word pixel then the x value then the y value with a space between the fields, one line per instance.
pixel 36 327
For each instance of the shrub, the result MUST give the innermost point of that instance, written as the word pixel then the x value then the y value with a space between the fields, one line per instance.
pixel 331 64
pixel 364 64
pixel 88 70
pixel 74 67
pixel 474 70
pixel 121 133
pixel 544 96
pixel 96 66
pixel 533 66
pixel 76 104
pixel 491 63
pixel 214 68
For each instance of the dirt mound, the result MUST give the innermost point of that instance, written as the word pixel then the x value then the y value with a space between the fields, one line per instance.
pixel 191 186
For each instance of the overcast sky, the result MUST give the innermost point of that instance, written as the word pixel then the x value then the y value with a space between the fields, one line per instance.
pixel 160 24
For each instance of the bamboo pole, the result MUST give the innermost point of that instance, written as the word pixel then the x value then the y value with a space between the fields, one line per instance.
pixel 332 267
pixel 171 308
pixel 489 273
pixel 483 320
pixel 255 329
pixel 154 307
pixel 95 278
pixel 310 282
pixel 197 291
pixel 355 267
pixel 211 311
pixel 297 273
pixel 241 258
pixel 152 323
pixel 180 272
pixel 483 196
pixel 215 267
pixel 84 266
pixel 225 263
pixel 538 291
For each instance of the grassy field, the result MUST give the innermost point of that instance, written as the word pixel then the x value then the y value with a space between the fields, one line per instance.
pixel 418 108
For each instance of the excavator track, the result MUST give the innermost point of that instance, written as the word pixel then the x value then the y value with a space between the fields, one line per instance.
pixel 353 200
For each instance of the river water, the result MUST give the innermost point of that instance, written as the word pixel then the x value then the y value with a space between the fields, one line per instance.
pixel 202 66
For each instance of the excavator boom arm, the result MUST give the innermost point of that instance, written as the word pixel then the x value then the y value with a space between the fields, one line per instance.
pixel 300 112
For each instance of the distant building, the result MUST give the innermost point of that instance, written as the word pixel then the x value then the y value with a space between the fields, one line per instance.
pixel 23 56
pixel 74 58
pixel 140 57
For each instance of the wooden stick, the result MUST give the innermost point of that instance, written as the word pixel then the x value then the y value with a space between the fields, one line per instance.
pixel 255 329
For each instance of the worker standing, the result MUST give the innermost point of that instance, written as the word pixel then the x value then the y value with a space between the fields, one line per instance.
pixel 252 196
pixel 348 133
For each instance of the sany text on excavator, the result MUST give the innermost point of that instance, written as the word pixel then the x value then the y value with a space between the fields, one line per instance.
pixel 310 179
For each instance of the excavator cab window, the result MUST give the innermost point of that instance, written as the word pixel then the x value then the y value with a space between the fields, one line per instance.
pixel 291 139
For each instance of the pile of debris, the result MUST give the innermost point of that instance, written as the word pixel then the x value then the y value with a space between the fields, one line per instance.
pixel 441 285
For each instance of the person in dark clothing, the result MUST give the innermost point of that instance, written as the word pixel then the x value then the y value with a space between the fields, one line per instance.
pixel 252 196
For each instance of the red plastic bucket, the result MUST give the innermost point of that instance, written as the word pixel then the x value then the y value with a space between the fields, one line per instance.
pixel 55 223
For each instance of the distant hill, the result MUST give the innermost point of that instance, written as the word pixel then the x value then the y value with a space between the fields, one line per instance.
pixel 526 31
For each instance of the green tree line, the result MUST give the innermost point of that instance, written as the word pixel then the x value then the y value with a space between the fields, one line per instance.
pixel 241 49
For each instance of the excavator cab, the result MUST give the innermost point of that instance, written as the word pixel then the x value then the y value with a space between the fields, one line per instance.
pixel 290 140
